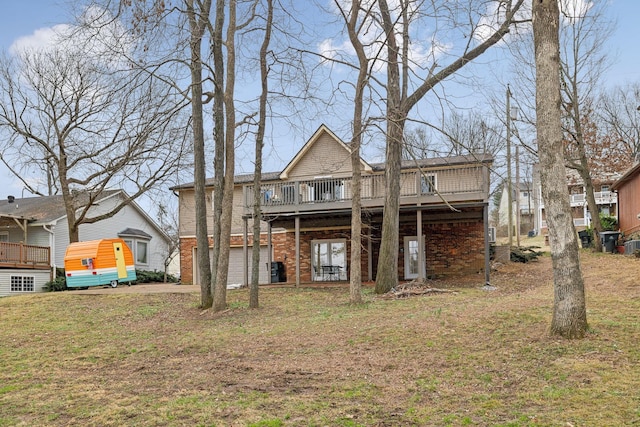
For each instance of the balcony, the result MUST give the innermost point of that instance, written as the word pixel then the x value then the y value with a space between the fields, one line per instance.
pixel 602 198
pixel 454 185
pixel 19 255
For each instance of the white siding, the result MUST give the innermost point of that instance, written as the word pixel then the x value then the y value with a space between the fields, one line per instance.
pixel 236 266
pixel 128 217
pixel 40 277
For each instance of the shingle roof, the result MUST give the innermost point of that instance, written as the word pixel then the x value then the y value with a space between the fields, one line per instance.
pixel 42 209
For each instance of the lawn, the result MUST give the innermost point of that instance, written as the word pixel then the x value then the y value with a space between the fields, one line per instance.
pixel 308 358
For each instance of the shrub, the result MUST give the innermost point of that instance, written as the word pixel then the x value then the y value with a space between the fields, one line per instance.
pixel 56 285
pixel 608 222
pixel 146 276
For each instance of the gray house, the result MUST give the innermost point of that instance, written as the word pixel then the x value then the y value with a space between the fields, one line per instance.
pixel 34 236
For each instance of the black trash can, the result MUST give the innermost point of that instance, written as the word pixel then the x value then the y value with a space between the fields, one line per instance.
pixel 609 240
pixel 585 238
pixel 278 273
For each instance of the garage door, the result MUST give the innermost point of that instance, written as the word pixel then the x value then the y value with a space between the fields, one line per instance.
pixel 236 268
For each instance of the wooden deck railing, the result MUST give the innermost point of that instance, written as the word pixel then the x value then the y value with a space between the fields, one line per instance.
pixel 330 192
pixel 19 255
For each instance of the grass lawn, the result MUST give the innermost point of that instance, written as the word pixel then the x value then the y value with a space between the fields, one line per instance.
pixel 308 358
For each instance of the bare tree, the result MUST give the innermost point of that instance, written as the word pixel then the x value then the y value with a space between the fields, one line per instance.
pixel 198 17
pixel 92 122
pixel 619 108
pixel 262 121
pixel 569 310
pixel 399 102
pixel 582 62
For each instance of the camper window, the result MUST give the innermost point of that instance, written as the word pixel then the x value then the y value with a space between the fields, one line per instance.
pixel 88 262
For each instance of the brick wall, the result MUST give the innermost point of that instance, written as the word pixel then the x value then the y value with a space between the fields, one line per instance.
pixel 451 249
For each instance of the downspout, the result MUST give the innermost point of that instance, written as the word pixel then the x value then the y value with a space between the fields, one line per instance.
pixel 52 249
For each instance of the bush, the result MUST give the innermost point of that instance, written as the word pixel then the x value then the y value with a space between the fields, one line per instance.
pixel 56 285
pixel 608 222
pixel 146 276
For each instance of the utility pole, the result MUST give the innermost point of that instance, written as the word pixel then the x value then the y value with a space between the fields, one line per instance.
pixel 517 195
pixel 509 189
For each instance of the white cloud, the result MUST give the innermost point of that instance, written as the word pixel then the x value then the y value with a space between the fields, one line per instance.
pixel 42 38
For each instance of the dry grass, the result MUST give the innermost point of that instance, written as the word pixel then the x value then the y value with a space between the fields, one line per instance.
pixel 308 358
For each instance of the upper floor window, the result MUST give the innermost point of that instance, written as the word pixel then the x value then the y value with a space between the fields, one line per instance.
pixel 4 236
pixel 428 183
pixel 604 188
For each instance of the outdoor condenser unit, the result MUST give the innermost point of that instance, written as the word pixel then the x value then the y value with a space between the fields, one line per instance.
pixel 631 246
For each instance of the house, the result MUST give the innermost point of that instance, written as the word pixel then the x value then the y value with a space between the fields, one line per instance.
pixel 523 201
pixel 307 215
pixel 34 236
pixel 627 189
pixel 606 199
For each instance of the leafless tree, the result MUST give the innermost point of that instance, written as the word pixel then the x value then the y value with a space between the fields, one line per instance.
pixel 92 122
pixel 396 24
pixel 198 13
pixel 619 109
pixel 262 122
pixel 569 309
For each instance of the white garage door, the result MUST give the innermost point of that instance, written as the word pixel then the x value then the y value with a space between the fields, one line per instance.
pixel 236 268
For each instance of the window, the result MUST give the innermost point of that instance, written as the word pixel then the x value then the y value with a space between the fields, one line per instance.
pixel 428 183
pixel 141 253
pixel 22 284
pixel 4 236
pixel 329 259
pixel 604 188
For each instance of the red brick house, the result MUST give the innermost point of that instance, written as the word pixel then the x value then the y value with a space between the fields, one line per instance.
pixel 628 189
pixel 307 215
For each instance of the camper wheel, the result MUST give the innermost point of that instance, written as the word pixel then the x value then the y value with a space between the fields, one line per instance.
pixel 114 283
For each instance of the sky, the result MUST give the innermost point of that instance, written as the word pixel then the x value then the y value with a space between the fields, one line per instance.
pixel 30 17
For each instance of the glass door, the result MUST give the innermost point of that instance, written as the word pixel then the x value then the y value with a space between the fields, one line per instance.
pixel 411 258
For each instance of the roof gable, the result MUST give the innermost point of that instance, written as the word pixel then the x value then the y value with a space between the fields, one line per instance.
pixel 323 157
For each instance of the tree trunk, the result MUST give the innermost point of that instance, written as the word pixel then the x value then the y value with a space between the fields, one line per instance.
pixel 387 271
pixel 222 273
pixel 197 20
pixel 355 278
pixel 257 179
pixel 218 136
pixel 569 311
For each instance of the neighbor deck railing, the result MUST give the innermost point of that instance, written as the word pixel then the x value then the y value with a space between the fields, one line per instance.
pixel 19 255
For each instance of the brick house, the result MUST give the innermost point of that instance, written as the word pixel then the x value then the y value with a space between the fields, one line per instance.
pixel 307 215
pixel 628 192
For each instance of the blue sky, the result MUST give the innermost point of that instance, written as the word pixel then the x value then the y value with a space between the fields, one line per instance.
pixel 23 18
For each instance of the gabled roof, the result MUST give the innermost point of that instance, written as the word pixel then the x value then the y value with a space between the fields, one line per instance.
pixel 323 129
pixel 42 209
pixel 45 210
pixel 628 175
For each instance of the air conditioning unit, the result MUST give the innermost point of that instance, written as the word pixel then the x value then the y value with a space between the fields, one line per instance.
pixel 492 234
pixel 631 246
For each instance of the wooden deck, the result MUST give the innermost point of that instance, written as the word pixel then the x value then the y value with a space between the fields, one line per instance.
pixel 19 255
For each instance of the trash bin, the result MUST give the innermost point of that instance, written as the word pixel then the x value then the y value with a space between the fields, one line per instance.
pixel 609 240
pixel 278 273
pixel 531 233
pixel 585 238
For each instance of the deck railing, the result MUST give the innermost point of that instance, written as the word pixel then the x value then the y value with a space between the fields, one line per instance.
pixel 602 198
pixel 327 190
pixel 19 255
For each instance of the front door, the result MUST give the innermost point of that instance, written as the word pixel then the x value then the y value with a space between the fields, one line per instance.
pixel 120 263
pixel 411 258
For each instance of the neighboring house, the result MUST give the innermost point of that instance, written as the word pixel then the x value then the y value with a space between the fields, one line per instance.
pixel 606 199
pixel 307 217
pixel 628 191
pixel 526 205
pixel 36 227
